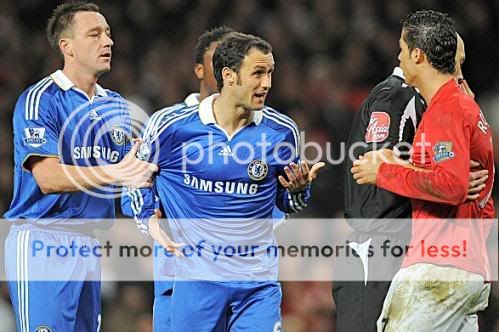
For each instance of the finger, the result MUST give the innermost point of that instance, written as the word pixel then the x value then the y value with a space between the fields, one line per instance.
pixel 361 156
pixel 289 173
pixel 296 169
pixel 477 189
pixel 152 167
pixel 315 169
pixel 479 174
pixel 283 182
pixel 360 181
pixel 304 168
pixel 355 169
pixel 358 162
pixel 478 181
pixel 474 164
pixel 357 176
pixel 472 197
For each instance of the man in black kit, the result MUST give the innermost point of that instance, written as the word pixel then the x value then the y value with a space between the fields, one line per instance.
pixel 388 117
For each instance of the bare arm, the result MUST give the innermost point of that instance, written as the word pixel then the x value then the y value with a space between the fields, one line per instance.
pixel 53 177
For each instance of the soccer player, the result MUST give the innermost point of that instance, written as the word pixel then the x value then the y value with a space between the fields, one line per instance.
pixel 70 145
pixel 437 292
pixel 163 265
pixel 388 118
pixel 248 164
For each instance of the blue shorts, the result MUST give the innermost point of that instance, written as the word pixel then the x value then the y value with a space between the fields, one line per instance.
pixel 58 292
pixel 162 308
pixel 226 306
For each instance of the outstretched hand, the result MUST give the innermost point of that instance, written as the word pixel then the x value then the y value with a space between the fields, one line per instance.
pixel 160 236
pixel 299 176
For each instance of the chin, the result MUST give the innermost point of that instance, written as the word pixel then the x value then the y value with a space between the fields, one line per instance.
pixel 103 70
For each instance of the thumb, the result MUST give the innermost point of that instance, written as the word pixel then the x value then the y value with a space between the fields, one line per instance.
pixel 315 169
pixel 135 148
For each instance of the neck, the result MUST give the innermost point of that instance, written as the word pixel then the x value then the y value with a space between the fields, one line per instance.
pixel 430 82
pixel 203 92
pixel 229 115
pixel 82 80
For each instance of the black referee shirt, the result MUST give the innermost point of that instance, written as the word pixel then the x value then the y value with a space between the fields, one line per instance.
pixel 388 118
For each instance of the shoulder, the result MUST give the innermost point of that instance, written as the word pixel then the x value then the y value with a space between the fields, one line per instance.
pixel 393 89
pixel 170 117
pixel 35 99
pixel 279 122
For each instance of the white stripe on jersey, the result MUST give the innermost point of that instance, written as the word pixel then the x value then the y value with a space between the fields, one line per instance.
pixel 287 122
pixel 157 116
pixel 409 113
pixel 27 102
pixel 37 97
pixel 163 126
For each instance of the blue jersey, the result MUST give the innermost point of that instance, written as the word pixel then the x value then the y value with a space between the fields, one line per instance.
pixel 216 190
pixel 53 118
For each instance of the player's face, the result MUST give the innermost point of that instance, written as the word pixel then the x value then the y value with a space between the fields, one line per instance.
pixel 405 60
pixel 209 80
pixel 255 79
pixel 460 57
pixel 91 42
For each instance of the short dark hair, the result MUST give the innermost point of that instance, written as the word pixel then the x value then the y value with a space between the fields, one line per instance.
pixel 232 50
pixel 209 36
pixel 435 34
pixel 62 19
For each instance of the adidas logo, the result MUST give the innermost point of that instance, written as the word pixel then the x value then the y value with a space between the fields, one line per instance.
pixel 94 116
pixel 225 152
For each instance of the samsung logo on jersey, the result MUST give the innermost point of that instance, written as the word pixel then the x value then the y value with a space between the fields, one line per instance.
pixel 85 152
pixel 228 187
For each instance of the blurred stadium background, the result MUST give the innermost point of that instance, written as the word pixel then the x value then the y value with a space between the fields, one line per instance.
pixel 329 53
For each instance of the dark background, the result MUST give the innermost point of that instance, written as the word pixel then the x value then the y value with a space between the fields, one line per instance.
pixel 329 54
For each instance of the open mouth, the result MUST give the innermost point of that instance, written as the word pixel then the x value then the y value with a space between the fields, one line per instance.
pixel 260 95
pixel 106 55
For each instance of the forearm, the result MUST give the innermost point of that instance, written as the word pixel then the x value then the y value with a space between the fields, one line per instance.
pixel 437 185
pixel 57 178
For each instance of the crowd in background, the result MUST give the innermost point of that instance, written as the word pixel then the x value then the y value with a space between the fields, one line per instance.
pixel 328 53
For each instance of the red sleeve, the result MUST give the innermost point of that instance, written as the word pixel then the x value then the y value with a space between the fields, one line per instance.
pixel 447 139
pixel 489 209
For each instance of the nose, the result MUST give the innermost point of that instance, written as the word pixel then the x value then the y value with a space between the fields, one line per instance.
pixel 108 41
pixel 267 81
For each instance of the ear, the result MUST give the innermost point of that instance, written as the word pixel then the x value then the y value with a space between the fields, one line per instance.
pixel 418 56
pixel 228 76
pixel 199 71
pixel 66 47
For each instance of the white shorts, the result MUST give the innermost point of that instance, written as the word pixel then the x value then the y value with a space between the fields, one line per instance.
pixel 427 297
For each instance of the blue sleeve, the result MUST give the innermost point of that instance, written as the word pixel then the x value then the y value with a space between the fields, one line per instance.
pixel 289 152
pixel 35 125
pixel 143 202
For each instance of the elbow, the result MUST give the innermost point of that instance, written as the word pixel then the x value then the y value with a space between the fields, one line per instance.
pixel 47 189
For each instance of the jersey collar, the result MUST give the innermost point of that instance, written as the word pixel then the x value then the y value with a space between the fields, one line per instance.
pixel 65 83
pixel 398 72
pixel 192 99
pixel 206 111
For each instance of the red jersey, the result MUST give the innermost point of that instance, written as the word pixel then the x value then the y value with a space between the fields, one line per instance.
pixel 452 132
